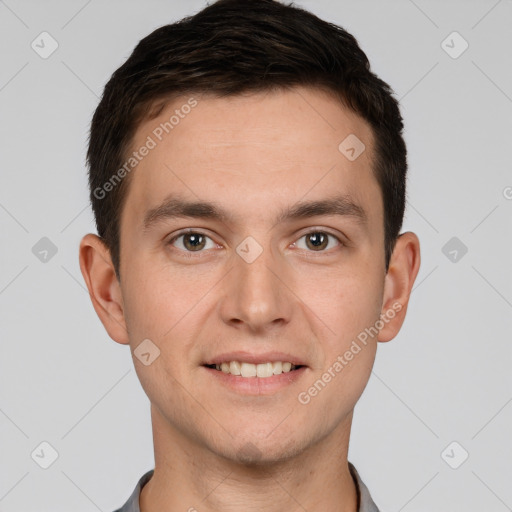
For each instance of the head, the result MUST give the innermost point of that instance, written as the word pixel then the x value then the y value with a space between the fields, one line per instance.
pixel 271 122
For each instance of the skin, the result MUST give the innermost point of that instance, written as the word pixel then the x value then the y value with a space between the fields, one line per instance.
pixel 253 155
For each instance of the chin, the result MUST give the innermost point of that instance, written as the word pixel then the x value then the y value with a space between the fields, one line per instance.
pixel 262 452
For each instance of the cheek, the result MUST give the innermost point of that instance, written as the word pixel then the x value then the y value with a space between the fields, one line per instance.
pixel 347 302
pixel 355 310
pixel 157 307
pixel 158 299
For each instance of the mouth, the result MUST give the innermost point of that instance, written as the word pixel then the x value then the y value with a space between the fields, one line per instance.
pixel 255 374
pixel 252 370
pixel 255 379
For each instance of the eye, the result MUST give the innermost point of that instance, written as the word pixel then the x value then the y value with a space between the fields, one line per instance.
pixel 317 241
pixel 193 241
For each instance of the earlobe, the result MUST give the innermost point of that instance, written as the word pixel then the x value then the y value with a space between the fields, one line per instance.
pixel 403 269
pixel 104 288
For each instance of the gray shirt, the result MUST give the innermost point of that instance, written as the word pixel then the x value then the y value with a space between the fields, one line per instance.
pixel 364 499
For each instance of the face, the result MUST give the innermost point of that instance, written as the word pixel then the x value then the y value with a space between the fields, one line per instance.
pixel 253 275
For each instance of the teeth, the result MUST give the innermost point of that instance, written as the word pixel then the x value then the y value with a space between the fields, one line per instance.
pixel 248 370
pixel 234 368
pixel 255 370
pixel 264 370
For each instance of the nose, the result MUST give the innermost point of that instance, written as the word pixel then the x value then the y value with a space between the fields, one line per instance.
pixel 257 296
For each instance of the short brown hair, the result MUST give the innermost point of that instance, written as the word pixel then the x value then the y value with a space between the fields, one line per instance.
pixel 229 48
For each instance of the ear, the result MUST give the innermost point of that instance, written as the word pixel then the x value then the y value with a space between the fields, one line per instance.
pixel 104 288
pixel 403 269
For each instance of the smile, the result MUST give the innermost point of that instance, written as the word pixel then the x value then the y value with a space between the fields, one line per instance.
pixel 249 370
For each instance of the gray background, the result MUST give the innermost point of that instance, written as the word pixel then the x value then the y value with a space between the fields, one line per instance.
pixel 446 377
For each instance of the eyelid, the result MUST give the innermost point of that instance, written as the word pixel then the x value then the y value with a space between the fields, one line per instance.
pixel 320 229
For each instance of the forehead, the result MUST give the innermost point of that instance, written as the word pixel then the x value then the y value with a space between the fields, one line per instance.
pixel 254 154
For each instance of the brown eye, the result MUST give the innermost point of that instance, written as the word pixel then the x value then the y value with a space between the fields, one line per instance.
pixel 317 241
pixel 194 241
pixel 191 241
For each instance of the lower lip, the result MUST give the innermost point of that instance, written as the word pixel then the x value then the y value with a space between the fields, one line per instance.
pixel 256 385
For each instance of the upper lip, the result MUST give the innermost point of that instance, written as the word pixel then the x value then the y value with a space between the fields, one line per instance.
pixel 252 357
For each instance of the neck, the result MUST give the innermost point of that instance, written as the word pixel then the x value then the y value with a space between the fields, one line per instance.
pixel 191 477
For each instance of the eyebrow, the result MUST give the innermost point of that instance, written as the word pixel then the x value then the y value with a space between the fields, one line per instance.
pixel 174 207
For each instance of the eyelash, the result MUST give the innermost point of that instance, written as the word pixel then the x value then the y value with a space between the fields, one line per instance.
pixel 194 254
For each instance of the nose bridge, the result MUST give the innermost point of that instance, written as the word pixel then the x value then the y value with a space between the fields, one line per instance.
pixel 256 296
